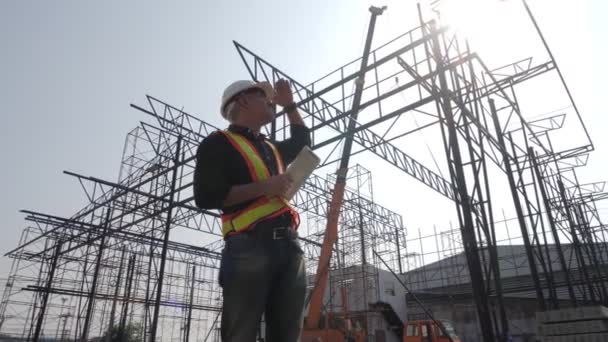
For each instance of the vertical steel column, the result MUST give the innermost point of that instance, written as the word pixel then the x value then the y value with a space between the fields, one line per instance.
pixel 147 315
pixel 361 231
pixel 163 259
pixel 551 220
pixel 597 268
pixel 128 286
pixel 33 306
pixel 531 213
pixel 551 275
pixel 83 281
pixel 398 251
pixel 483 213
pixel 504 323
pixel 518 208
pixel 87 320
pixel 116 292
pixel 575 242
pixel 463 201
pixel 47 291
pixel 190 305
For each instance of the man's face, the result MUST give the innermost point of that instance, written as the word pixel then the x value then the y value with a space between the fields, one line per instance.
pixel 257 106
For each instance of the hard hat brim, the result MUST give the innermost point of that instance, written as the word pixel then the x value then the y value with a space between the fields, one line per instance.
pixel 266 87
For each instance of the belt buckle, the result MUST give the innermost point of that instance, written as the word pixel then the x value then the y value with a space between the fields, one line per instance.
pixel 274 233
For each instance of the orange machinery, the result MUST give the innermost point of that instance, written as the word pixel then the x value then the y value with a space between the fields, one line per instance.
pixel 332 328
pixel 429 331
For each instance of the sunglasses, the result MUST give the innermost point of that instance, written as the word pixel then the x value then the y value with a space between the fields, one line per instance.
pixel 255 91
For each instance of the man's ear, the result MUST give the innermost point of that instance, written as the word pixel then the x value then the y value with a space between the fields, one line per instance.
pixel 243 102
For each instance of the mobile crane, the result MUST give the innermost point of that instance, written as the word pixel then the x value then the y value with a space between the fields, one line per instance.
pixel 333 327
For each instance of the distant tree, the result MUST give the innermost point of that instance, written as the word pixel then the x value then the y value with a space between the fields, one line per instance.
pixel 130 333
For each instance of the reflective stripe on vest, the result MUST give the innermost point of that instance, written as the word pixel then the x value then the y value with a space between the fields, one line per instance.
pixel 264 207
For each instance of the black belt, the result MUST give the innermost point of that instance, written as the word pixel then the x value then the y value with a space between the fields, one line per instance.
pixel 276 233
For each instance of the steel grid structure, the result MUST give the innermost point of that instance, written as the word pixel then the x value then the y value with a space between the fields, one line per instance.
pixel 485 133
pixel 110 259
pixel 114 262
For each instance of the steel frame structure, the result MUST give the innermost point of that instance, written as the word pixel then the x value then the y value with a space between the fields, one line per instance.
pixel 483 127
pixel 115 262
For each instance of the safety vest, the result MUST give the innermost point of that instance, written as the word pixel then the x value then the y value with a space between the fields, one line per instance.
pixel 265 207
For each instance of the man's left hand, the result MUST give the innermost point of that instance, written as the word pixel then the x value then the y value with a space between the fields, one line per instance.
pixel 282 93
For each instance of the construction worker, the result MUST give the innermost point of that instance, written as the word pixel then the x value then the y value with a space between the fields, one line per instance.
pixel 240 171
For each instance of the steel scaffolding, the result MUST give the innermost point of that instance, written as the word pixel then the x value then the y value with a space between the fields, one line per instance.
pixel 141 255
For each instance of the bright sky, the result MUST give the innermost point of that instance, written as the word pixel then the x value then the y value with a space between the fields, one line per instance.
pixel 70 69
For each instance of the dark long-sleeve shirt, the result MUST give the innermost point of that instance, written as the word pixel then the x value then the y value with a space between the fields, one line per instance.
pixel 219 166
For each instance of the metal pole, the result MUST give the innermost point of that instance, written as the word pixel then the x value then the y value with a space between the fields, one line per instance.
pixel 128 285
pixel 550 275
pixel 65 321
pixel 83 281
pixel 47 291
pixel 63 300
pixel 163 259
pixel 33 307
pixel 575 242
pixel 188 322
pixel 486 214
pixel 489 222
pixel 518 208
pixel 530 211
pixel 147 314
pixel 331 232
pixel 398 251
pixel 87 320
pixel 116 292
pixel 463 203
pixel 361 231
pixel 556 241
pixel 597 266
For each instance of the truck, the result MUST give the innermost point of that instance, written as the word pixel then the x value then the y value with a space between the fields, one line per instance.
pixel 429 331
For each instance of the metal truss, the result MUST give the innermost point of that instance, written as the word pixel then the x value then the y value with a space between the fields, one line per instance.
pixel 114 262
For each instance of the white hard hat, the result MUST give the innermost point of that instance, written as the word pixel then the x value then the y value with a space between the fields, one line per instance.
pixel 238 87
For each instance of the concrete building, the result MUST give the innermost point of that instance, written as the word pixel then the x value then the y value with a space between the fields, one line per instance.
pixel 444 288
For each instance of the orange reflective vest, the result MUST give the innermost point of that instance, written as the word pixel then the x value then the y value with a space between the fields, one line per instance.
pixel 265 207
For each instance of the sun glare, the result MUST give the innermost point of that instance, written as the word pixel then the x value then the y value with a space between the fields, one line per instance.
pixel 471 18
pixel 492 27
